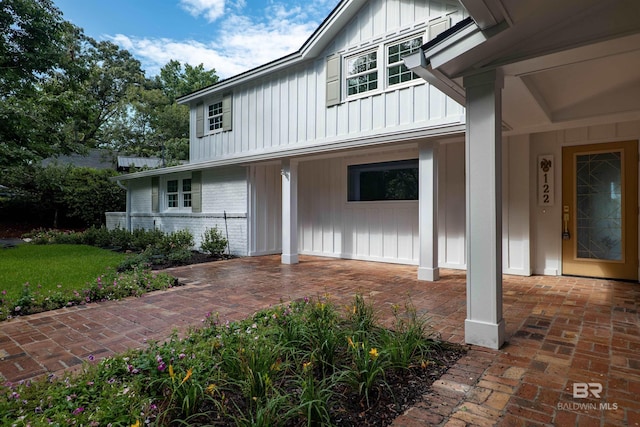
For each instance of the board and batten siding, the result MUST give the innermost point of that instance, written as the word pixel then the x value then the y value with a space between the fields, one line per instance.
pixel 331 226
pixel 546 221
pixel 288 108
pixel 265 207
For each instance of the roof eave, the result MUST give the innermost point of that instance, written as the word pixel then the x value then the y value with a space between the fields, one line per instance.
pixel 311 48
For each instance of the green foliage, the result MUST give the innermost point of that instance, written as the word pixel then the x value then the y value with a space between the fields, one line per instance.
pixel 213 242
pixel 57 195
pixel 64 281
pixel 150 246
pixel 240 373
pixel 181 239
pixel 51 268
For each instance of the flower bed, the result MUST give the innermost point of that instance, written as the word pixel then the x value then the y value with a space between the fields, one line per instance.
pixel 297 364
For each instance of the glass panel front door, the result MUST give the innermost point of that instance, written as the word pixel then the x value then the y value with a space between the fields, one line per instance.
pixel 600 210
pixel 599 206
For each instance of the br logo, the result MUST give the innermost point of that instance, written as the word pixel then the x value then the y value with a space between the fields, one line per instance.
pixel 584 390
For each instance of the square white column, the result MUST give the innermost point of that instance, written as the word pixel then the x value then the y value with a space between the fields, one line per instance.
pixel 428 211
pixel 484 325
pixel 289 211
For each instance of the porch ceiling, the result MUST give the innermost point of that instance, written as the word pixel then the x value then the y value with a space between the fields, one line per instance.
pixel 565 63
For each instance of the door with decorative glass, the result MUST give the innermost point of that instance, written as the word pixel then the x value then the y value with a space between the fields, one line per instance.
pixel 600 210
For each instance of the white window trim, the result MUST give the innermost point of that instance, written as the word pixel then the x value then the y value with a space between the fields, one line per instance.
pixel 207 130
pixel 382 59
pixel 165 194
pixel 346 76
pixel 411 82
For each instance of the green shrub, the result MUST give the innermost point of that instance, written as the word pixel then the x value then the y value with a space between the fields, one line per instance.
pixel 213 242
pixel 181 239
pixel 179 256
pixel 141 239
pixel 120 238
pixel 97 236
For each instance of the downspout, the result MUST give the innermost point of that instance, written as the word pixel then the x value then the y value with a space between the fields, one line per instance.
pixel 127 213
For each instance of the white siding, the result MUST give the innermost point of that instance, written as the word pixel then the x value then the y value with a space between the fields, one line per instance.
pixel 331 226
pixel 265 210
pixel 516 247
pixel 451 206
pixel 547 221
pixel 287 109
pixel 224 191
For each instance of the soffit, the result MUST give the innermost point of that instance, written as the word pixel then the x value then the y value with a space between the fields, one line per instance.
pixel 565 63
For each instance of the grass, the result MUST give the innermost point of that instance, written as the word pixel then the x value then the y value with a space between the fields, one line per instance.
pixel 53 267
pixel 301 364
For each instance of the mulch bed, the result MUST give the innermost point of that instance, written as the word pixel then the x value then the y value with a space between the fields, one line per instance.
pixel 196 258
pixel 348 409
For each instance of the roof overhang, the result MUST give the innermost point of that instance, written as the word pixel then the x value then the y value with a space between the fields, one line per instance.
pixel 565 64
pixel 451 129
pixel 344 11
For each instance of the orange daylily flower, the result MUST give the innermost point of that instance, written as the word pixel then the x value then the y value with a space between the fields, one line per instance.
pixel 186 378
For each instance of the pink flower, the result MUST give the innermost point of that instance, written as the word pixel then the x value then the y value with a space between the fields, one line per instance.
pixel 78 411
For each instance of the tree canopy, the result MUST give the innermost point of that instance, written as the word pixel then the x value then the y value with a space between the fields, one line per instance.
pixel 62 92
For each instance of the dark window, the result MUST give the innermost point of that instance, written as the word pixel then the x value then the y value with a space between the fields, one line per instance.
pixel 383 181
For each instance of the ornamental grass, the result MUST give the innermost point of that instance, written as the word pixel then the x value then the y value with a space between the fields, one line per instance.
pixel 307 363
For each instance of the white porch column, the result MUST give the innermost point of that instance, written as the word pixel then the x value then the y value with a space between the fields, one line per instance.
pixel 289 212
pixel 428 211
pixel 484 325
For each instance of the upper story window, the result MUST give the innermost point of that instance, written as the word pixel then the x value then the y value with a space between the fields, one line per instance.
pixel 362 73
pixel 214 116
pixel 397 72
pixel 377 68
pixel 380 68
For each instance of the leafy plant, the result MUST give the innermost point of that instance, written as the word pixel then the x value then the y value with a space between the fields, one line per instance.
pixel 213 242
pixel 261 371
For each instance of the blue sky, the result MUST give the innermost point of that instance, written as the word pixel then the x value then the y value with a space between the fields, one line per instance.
pixel 231 36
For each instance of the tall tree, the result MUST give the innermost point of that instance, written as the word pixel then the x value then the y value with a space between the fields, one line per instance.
pixel 58 87
pixel 33 42
pixel 155 125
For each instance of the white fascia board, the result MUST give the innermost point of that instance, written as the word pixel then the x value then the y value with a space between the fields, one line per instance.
pixel 340 16
pixel 253 74
pixel 453 127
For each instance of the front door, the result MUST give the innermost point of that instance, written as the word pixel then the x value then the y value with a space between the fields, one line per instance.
pixel 600 210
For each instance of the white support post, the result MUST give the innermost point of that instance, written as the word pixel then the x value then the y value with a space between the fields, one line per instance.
pixel 289 211
pixel 428 211
pixel 484 325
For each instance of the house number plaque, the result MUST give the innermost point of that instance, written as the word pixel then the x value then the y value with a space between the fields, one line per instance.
pixel 545 180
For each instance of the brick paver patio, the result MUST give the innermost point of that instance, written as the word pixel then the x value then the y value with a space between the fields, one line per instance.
pixel 560 331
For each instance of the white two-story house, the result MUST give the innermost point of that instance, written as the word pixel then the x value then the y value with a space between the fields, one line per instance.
pixel 497 136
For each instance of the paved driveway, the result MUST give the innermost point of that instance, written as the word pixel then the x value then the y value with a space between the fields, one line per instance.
pixel 560 331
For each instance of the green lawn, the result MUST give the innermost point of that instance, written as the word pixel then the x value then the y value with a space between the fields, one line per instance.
pixel 54 267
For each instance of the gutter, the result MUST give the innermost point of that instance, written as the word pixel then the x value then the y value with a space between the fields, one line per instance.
pixel 447 50
pixel 449 128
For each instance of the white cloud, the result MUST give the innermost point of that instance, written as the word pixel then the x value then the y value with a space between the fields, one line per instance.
pixel 240 43
pixel 210 9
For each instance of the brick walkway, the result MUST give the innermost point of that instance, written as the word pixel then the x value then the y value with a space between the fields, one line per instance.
pixel 560 331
